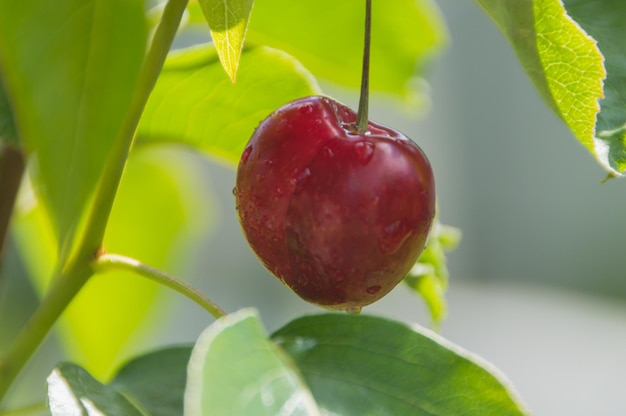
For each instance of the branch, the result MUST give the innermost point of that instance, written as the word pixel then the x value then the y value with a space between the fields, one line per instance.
pixel 107 262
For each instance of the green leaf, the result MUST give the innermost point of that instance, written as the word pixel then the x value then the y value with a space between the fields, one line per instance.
pixel 161 212
pixel 69 69
pixel 194 102
pixel 152 384
pixel 327 37
pixel 155 382
pixel 228 21
pixel 567 65
pixel 429 276
pixel 363 365
pixel 235 370
pixel 8 134
pixel 603 21
pixel 72 391
pixel 194 13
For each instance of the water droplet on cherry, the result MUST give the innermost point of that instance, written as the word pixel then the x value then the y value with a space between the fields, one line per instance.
pixel 306 109
pixel 278 192
pixel 364 151
pixel 302 180
pixel 337 275
pixel 393 235
pixel 373 289
pixel 353 310
pixel 328 152
pixel 246 154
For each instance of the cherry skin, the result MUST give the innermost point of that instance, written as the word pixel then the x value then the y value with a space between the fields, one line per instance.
pixel 338 216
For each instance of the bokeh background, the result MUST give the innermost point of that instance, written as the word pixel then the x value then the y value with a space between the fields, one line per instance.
pixel 538 284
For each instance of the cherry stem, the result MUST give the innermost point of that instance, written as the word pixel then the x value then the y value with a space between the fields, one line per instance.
pixel 107 262
pixel 362 114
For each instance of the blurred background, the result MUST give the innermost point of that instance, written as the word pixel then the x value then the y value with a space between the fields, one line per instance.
pixel 538 283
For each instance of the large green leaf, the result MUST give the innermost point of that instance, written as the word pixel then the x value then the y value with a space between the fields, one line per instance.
pixel 159 215
pixel 567 49
pixel 235 370
pixel 152 384
pixel 603 20
pixel 228 21
pixel 195 103
pixel 72 391
pixel 156 381
pixel 363 365
pixel 327 37
pixel 70 69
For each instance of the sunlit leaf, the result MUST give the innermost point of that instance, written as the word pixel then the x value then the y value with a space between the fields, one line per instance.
pixel 603 21
pixel 195 103
pixel 228 21
pixel 573 51
pixel 70 69
pixel 72 391
pixel 327 37
pixel 160 213
pixel 364 365
pixel 151 384
pixel 235 370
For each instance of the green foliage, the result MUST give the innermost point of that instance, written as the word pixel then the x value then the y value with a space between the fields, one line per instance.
pixel 429 276
pixel 353 365
pixel 228 22
pixel 152 384
pixel 73 391
pixel 234 370
pixel 364 365
pixel 573 53
pixel 155 382
pixel 115 312
pixel 70 69
pixel 334 55
pixel 219 120
pixel 603 21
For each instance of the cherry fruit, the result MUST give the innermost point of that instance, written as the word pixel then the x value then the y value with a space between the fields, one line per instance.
pixel 340 216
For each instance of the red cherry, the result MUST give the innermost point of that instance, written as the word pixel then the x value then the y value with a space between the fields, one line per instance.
pixel 338 216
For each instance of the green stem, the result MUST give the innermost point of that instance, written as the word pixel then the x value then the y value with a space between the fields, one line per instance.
pixel 72 276
pixel 64 289
pixel 362 113
pixel 103 202
pixel 108 262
